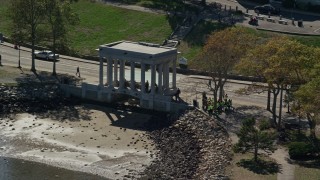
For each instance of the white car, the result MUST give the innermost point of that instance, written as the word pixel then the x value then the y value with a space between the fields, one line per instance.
pixel 48 55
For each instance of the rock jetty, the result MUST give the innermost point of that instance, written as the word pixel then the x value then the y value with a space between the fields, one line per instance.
pixel 195 146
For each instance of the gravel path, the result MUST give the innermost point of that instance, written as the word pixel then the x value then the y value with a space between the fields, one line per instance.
pixel 286 169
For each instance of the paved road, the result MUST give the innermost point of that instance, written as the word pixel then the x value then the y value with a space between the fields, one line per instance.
pixel 191 86
pixel 88 69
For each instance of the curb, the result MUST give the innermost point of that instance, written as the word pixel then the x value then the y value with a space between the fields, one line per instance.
pixel 287 32
pixel 62 56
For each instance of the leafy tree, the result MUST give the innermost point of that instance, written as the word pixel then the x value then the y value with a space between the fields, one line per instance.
pixel 308 97
pixel 253 139
pixel 221 52
pixel 59 14
pixel 27 15
pixel 281 62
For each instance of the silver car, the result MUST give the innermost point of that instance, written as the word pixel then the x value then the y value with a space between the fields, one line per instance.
pixel 48 55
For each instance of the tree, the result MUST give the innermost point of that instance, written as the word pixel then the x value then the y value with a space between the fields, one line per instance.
pixel 309 99
pixel 59 14
pixel 221 52
pixel 28 15
pixel 253 139
pixel 281 62
pixel 308 96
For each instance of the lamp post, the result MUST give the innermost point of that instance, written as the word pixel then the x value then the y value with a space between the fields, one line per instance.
pixel 289 96
pixel 19 65
pixel 0 48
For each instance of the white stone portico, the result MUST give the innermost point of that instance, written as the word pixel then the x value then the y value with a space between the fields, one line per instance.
pixel 159 94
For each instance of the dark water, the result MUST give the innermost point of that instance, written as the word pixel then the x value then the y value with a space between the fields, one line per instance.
pixel 16 169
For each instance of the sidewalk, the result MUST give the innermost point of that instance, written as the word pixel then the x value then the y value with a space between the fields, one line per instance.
pixel 310 28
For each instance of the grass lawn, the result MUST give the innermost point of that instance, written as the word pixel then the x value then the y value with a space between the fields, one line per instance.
pixel 237 171
pixel 9 74
pixel 192 44
pixel 101 24
pixel 4 20
pixel 308 40
pixel 307 172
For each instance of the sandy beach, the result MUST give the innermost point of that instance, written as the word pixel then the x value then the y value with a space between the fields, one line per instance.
pixel 103 141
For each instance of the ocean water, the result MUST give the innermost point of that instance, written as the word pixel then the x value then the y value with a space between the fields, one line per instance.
pixel 16 169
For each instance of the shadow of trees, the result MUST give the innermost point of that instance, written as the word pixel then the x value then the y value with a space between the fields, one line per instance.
pixel 259 167
pixel 199 34
pixel 122 1
pixel 38 93
pixel 315 163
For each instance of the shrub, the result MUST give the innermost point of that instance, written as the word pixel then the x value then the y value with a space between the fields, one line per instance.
pixel 264 124
pixel 300 150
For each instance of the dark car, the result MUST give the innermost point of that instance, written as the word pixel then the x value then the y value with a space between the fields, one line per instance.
pixel 266 9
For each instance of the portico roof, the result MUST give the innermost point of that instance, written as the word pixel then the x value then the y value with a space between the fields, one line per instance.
pixel 137 51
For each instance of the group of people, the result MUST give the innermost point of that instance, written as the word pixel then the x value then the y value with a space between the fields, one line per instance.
pixel 149 90
pixel 221 106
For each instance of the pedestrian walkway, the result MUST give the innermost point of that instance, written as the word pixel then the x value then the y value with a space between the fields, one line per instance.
pixel 273 23
pixel 286 169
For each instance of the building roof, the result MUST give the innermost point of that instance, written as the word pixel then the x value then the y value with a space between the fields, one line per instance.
pixel 141 48
pixel 136 51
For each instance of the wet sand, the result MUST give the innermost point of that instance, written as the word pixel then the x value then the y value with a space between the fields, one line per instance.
pixel 107 142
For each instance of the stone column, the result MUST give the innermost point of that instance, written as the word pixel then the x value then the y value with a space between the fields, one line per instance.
pixel 122 74
pixel 174 72
pixel 153 78
pixel 160 78
pixel 143 78
pixel 109 73
pixel 115 65
pixel 101 73
pixel 166 77
pixel 132 82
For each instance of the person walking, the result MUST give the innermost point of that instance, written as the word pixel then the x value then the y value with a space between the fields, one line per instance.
pixel 177 95
pixel 78 72
pixel 0 60
pixel 147 86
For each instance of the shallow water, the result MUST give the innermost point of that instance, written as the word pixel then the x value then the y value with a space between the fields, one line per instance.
pixel 16 169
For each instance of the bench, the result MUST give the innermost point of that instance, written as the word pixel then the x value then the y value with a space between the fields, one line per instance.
pixel 271 20
pixel 283 22
pixel 260 17
pixel 248 15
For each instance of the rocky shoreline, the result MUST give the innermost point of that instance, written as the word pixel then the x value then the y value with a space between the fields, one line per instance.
pixel 193 147
pixel 190 146
pixel 31 98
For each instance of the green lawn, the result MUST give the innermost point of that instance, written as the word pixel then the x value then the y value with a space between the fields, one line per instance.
pixel 237 171
pixel 100 24
pixel 307 173
pixel 192 44
pixel 4 20
pixel 308 40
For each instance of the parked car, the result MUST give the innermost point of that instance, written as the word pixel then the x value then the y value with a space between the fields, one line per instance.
pixel 48 55
pixel 266 9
